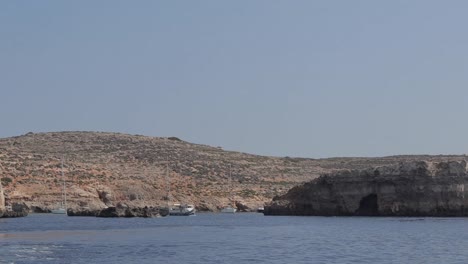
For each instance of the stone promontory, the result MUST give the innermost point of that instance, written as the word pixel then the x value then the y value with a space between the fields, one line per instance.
pixel 418 188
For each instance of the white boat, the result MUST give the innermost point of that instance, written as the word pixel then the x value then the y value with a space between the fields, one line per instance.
pixel 182 209
pixel 229 209
pixel 59 211
pixel 63 204
pixel 177 209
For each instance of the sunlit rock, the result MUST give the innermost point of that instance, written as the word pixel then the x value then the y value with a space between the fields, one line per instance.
pixel 408 189
pixel 2 201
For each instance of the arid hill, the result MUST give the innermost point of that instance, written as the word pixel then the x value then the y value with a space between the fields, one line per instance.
pixel 105 168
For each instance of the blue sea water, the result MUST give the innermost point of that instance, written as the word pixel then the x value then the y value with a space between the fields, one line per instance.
pixel 233 238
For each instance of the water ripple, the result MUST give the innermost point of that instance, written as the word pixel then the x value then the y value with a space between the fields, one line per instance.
pixel 241 238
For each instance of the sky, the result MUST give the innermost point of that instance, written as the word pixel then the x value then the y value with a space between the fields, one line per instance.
pixel 280 78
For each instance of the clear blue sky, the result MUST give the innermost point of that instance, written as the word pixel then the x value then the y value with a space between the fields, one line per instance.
pixel 297 78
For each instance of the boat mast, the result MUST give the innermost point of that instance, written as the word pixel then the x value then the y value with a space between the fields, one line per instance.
pixel 168 186
pixel 64 193
pixel 230 187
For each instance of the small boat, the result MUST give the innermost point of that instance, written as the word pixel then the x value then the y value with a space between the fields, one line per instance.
pixel 260 210
pixel 59 211
pixel 229 210
pixel 62 209
pixel 176 209
pixel 182 209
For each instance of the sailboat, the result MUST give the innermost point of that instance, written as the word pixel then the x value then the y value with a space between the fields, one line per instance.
pixel 229 209
pixel 63 204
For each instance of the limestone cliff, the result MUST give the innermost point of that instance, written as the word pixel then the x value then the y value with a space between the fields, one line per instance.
pixel 2 201
pixel 407 189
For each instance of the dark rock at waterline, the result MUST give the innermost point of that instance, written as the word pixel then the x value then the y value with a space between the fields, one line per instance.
pixel 17 210
pixel 122 210
pixel 39 210
pixel 82 212
pixel 242 207
pixel 407 189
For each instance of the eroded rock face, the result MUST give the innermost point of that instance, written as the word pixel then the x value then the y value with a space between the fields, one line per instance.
pixel 106 197
pixel 408 189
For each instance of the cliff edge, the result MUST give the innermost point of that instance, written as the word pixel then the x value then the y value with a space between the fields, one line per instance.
pixel 418 188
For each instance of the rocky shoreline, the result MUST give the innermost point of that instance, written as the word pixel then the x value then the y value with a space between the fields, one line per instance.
pixel 407 189
pixel 15 210
pixel 2 201
pixel 121 210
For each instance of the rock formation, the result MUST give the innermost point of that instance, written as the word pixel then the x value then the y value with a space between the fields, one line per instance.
pixel 120 210
pixel 17 210
pixel 407 189
pixel 2 201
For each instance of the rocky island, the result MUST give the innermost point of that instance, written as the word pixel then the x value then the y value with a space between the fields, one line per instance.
pixel 407 189
pixel 103 170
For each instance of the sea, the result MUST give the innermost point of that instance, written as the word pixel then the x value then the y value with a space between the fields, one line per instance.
pixel 233 238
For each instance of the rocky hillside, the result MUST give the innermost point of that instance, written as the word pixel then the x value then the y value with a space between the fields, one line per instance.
pixel 106 168
pixel 407 189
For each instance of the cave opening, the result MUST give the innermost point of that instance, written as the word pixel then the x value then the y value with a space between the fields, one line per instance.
pixel 369 206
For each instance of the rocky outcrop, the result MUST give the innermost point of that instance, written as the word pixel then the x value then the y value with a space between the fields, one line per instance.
pixel 2 201
pixel 407 189
pixel 17 210
pixel 82 212
pixel 106 197
pixel 123 210
pixel 242 207
pixel 120 210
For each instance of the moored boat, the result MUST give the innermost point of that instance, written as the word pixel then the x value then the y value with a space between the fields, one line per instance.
pixel 228 210
pixel 59 211
pixel 182 209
